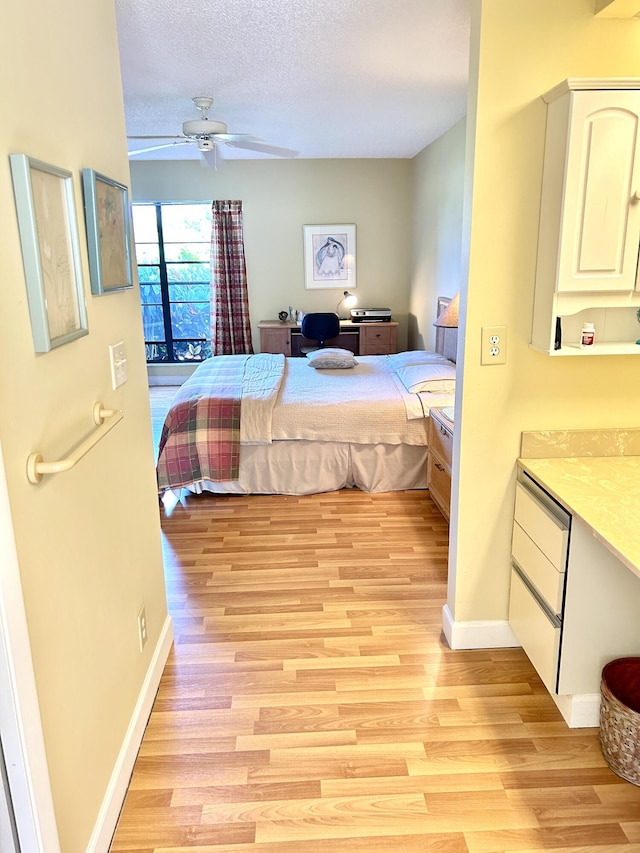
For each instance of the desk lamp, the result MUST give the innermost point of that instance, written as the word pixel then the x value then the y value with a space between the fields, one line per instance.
pixel 348 301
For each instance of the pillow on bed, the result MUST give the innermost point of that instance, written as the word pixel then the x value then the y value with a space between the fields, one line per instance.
pixel 331 358
pixel 418 356
pixel 431 378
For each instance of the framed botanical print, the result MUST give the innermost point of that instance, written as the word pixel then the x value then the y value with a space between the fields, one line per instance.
pixel 45 206
pixel 106 206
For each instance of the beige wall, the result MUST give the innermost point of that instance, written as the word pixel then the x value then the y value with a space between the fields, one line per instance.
pixel 279 197
pixel 438 175
pixel 88 541
pixel 540 44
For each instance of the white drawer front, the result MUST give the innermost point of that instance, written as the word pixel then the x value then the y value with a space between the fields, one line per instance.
pixel 548 533
pixel 541 572
pixel 539 638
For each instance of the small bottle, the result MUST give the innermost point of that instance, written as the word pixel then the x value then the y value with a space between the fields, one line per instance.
pixel 557 342
pixel 588 335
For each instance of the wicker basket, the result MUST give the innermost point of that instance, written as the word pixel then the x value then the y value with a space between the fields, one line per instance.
pixel 620 717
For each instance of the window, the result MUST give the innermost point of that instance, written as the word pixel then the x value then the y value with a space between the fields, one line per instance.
pixel 173 246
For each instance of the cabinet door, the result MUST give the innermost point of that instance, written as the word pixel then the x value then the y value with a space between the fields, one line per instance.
pixel 377 338
pixel 600 228
pixel 275 340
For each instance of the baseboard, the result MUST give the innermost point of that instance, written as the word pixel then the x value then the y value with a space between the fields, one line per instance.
pixel 580 711
pixel 176 379
pixel 117 788
pixel 169 374
pixel 488 634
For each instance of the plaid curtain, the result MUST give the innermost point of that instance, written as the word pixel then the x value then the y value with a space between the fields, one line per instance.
pixel 230 327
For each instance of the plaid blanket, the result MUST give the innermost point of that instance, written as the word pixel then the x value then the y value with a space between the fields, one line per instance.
pixel 201 435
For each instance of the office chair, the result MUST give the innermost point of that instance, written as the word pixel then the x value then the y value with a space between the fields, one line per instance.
pixel 320 327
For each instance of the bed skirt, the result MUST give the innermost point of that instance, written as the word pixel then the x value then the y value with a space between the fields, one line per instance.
pixel 312 467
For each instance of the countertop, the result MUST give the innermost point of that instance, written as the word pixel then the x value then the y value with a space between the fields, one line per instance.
pixel 602 491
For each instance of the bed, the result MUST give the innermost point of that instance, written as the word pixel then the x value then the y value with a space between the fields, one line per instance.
pixel 267 424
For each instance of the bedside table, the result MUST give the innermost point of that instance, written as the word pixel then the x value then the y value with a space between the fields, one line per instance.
pixel 441 426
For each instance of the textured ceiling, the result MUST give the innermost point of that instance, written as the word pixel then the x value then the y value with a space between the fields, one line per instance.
pixel 337 78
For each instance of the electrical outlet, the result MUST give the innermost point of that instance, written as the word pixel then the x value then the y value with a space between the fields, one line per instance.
pixel 494 345
pixel 142 628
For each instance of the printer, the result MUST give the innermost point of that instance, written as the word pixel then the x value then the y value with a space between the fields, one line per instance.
pixel 370 315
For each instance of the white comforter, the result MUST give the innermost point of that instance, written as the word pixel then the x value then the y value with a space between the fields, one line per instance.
pixel 360 405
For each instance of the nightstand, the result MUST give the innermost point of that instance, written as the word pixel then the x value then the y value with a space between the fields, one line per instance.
pixel 441 425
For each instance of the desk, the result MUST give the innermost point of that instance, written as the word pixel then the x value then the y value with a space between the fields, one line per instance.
pixel 595 602
pixel 360 338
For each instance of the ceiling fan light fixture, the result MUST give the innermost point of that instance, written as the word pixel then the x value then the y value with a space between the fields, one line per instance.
pixel 203 102
pixel 203 127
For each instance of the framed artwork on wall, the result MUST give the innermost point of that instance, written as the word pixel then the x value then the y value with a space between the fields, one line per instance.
pixel 329 256
pixel 46 211
pixel 106 208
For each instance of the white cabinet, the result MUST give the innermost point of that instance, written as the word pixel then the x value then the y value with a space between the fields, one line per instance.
pixel 589 232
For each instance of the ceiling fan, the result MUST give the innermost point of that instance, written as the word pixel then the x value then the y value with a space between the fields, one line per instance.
pixel 209 134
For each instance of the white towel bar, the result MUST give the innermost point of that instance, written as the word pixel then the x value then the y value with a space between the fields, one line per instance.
pixel 106 419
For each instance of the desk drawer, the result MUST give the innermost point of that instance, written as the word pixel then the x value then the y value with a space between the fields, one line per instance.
pixel 541 572
pixel 540 637
pixel 548 529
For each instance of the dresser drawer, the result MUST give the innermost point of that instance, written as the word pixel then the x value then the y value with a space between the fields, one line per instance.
pixel 549 529
pixel 541 572
pixel 539 637
pixel 440 441
pixel 439 480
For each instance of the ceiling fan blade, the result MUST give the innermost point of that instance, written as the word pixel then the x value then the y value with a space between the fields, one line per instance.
pixel 235 137
pixel 158 147
pixel 162 136
pixel 255 145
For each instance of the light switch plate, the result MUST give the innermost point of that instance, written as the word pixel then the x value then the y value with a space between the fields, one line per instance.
pixel 494 345
pixel 118 362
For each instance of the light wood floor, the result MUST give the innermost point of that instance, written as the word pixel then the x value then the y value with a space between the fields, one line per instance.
pixel 311 703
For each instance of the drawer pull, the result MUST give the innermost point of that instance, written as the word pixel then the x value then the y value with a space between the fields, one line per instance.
pixel 554 618
pixel 442 429
pixel 439 466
